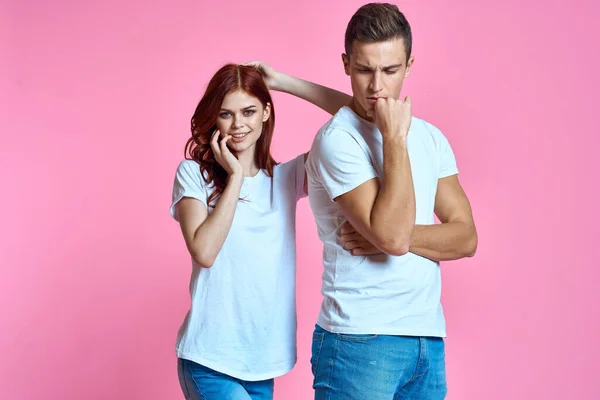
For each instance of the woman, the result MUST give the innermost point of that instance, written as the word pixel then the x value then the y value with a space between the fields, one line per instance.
pixel 236 207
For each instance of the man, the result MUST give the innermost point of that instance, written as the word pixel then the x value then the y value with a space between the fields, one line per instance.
pixel 376 176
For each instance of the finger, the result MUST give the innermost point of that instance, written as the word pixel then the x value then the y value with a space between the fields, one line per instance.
pixel 379 106
pixel 363 244
pixel 351 245
pixel 365 251
pixel 408 100
pixel 347 228
pixel 214 143
pixel 358 251
pixel 215 135
pixel 259 66
pixel 224 148
pixel 358 239
pixel 352 236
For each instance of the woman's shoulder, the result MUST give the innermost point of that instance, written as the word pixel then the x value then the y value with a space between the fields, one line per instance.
pixel 190 168
pixel 188 165
pixel 188 172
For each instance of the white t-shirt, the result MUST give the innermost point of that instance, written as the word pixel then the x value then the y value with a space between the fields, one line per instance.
pixel 242 320
pixel 379 294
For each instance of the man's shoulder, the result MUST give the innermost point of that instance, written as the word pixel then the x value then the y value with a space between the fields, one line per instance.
pixel 338 139
pixel 340 121
pixel 422 126
pixel 343 126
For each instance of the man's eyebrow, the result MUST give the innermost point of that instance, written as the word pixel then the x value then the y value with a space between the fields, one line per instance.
pixel 363 66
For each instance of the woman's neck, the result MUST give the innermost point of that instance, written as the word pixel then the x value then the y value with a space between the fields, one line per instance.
pixel 248 161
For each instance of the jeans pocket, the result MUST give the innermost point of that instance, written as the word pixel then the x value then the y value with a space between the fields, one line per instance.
pixel 317 344
pixel 357 338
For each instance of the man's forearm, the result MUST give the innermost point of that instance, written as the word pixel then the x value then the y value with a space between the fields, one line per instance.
pixel 444 242
pixel 393 214
pixel 323 97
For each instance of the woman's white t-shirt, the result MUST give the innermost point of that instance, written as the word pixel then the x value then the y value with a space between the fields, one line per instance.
pixel 242 319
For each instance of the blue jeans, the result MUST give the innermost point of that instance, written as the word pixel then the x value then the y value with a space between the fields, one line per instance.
pixel 201 383
pixel 377 367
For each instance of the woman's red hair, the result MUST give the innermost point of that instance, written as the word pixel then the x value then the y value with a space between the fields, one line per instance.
pixel 229 78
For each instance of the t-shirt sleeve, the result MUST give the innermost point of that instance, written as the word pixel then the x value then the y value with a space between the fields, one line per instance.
pixel 447 161
pixel 340 163
pixel 188 183
pixel 300 173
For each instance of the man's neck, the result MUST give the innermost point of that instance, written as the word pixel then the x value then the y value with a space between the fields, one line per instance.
pixel 359 110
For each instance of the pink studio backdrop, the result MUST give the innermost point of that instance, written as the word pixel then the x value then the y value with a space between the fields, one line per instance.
pixel 95 106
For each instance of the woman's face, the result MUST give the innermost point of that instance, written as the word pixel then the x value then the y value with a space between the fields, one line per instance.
pixel 242 117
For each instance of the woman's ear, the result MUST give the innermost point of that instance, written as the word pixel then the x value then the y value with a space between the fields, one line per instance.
pixel 267 112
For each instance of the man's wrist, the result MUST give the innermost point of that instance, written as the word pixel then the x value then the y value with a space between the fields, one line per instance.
pixel 283 82
pixel 395 140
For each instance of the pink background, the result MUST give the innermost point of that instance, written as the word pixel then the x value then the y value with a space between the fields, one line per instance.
pixel 95 104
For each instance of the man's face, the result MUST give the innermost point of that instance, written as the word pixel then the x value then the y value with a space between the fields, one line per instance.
pixel 376 70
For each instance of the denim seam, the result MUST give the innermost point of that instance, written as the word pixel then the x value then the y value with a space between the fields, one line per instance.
pixel 332 366
pixel 318 355
pixel 197 386
pixel 357 338
pixel 414 374
pixel 422 360
pixel 185 384
pixel 427 356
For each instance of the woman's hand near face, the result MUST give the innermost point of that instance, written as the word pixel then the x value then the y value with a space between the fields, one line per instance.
pixel 224 156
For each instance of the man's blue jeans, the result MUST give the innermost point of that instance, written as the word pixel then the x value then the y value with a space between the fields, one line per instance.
pixel 377 367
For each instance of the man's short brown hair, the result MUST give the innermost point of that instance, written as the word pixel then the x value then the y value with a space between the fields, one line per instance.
pixel 378 22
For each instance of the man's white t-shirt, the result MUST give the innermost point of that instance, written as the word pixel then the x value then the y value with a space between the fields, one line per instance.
pixel 242 319
pixel 381 294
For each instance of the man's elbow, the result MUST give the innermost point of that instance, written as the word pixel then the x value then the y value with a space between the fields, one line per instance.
pixel 471 246
pixel 395 247
pixel 394 243
pixel 202 259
